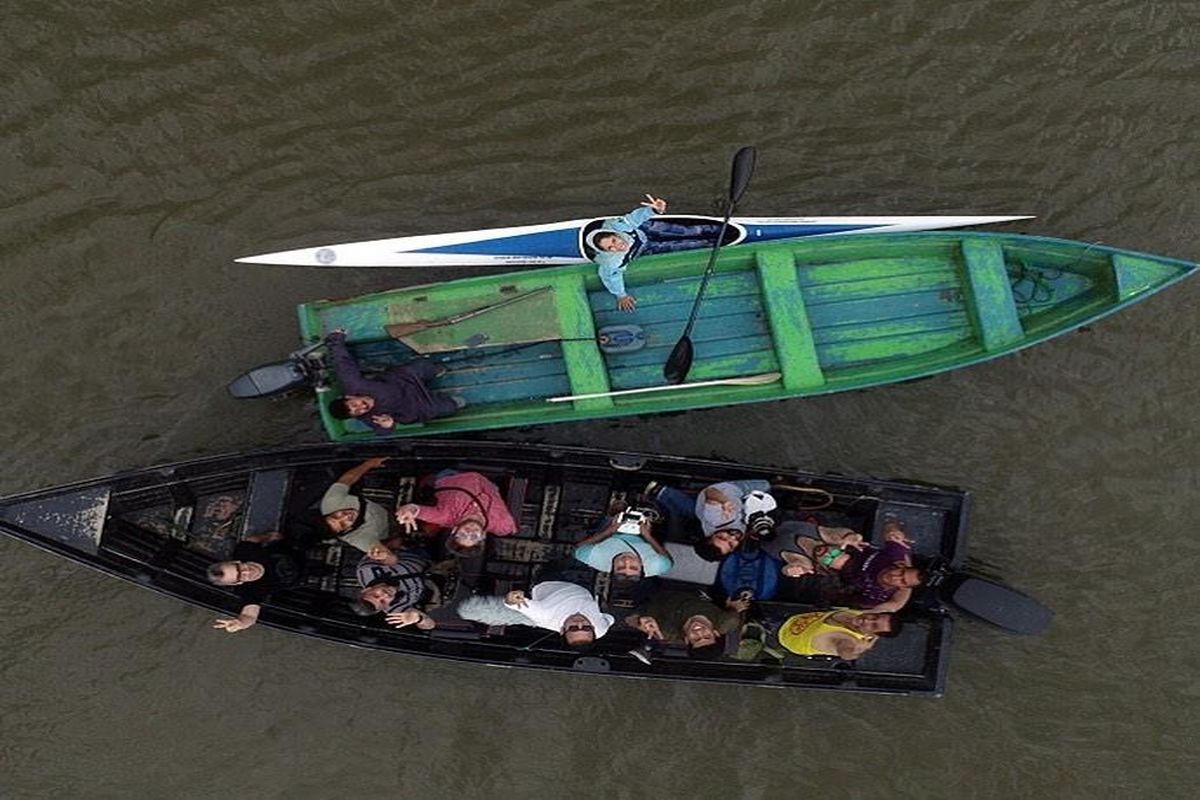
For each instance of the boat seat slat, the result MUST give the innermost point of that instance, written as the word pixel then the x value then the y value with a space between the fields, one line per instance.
pixel 992 303
pixel 788 319
pixel 264 508
pixel 586 368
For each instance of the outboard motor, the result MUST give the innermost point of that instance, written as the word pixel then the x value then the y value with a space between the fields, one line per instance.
pixel 301 369
pixel 989 600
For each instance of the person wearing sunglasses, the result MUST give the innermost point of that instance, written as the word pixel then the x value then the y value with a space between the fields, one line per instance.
pixel 551 605
pixel 260 564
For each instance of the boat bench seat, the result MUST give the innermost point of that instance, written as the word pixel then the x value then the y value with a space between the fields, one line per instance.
pixel 585 364
pixel 265 504
pixel 992 305
pixel 788 319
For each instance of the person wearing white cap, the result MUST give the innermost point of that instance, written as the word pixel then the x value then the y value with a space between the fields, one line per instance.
pixel 552 605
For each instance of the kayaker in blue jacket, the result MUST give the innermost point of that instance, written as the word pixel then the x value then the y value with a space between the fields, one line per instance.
pixel 621 239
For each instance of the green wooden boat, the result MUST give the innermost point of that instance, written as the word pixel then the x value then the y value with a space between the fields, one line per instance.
pixel 778 320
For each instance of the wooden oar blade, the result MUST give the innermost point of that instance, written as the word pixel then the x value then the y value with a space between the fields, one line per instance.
pixel 679 362
pixel 743 170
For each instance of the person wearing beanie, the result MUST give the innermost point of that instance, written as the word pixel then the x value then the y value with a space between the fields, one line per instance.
pixel 357 521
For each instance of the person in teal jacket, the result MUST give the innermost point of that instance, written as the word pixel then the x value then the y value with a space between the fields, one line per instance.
pixel 621 239
pixel 625 554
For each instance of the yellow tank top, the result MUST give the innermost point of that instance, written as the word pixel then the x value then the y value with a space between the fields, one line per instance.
pixel 798 632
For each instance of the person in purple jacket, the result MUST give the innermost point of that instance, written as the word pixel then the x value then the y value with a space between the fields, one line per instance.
pixel 879 579
pixel 399 396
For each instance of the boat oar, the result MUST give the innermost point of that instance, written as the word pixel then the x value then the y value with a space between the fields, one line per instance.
pixel 749 380
pixel 405 328
pixel 680 360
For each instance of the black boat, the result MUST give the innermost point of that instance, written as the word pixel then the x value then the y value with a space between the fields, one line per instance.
pixel 162 527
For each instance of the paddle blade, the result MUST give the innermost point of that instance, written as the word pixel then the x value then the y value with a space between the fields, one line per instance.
pixel 679 362
pixel 743 169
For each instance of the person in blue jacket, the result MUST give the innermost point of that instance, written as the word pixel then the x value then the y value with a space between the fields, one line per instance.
pixel 621 239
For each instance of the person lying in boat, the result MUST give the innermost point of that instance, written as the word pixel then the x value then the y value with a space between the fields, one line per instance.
pixel 552 605
pixel 259 565
pixel 682 617
pixel 879 579
pixel 399 396
pixel 355 520
pixel 394 583
pixel 726 511
pixel 621 239
pixel 841 632
pixel 626 547
pixel 466 503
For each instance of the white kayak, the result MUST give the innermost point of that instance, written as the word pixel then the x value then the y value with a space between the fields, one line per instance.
pixel 565 242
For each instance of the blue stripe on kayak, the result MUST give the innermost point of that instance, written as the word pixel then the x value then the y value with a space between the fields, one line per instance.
pixel 564 243
pixel 765 233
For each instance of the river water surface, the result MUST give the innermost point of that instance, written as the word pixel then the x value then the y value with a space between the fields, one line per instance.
pixel 145 145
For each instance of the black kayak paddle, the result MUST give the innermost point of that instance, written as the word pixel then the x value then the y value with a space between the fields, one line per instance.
pixel 680 360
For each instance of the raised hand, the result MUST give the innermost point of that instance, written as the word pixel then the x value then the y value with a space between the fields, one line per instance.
pixel 649 626
pixel 406 515
pixel 402 619
pixel 230 624
pixel 657 203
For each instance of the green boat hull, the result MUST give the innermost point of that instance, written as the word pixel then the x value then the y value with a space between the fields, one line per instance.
pixel 827 315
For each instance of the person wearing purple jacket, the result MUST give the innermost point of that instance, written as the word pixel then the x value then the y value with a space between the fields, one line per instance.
pixel 879 579
pixel 399 396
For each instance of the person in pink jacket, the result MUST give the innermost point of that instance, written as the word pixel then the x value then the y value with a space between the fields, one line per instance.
pixel 467 503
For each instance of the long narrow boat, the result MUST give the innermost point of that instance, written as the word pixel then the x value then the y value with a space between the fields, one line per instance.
pixel 161 528
pixel 557 243
pixel 778 321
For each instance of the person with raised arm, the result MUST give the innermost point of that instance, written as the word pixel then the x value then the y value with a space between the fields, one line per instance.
pixel 393 583
pixel 398 396
pixel 683 617
pixel 626 547
pixel 357 521
pixel 259 565
pixel 467 503
pixel 622 239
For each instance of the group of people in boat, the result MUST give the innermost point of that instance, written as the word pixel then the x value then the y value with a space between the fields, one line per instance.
pixel 686 594
pixel 400 395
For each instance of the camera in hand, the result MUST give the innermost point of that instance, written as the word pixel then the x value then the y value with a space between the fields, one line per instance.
pixel 630 521
pixel 760 525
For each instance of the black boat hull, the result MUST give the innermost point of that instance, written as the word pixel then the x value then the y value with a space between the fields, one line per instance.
pixel 161 527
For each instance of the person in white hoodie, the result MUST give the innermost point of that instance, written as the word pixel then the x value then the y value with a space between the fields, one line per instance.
pixel 552 605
